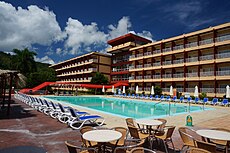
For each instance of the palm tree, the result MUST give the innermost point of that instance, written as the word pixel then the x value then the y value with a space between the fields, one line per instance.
pixel 24 61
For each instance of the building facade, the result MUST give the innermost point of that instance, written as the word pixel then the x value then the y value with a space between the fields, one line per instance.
pixel 81 69
pixel 120 55
pixel 200 58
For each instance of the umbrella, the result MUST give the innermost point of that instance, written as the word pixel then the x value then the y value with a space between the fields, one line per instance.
pixel 152 90
pixel 171 91
pixel 227 92
pixel 196 93
pixel 112 89
pixel 123 90
pixel 103 89
pixel 136 89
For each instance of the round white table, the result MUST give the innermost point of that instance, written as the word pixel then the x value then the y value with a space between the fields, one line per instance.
pixel 102 136
pixel 149 122
pixel 215 134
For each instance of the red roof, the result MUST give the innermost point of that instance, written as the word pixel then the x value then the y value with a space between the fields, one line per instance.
pixel 127 38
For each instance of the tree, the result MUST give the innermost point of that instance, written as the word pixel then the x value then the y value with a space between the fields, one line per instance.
pixel 24 61
pixel 157 90
pixel 99 79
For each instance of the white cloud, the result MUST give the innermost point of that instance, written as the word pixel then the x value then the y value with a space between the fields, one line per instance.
pixel 22 28
pixel 144 33
pixel 44 59
pixel 122 28
pixel 80 37
pixel 86 38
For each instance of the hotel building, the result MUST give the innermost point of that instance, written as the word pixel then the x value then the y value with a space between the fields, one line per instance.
pixel 200 58
pixel 81 69
pixel 120 55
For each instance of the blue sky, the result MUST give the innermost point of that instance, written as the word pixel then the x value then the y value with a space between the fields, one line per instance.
pixel 58 30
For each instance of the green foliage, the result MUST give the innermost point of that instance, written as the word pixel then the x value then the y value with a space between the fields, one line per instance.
pixel 157 90
pixel 23 61
pixel 99 78
pixel 203 95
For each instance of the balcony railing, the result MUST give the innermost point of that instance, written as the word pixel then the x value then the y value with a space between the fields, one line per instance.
pixel 148 65
pixel 178 47
pixel 223 38
pixel 221 90
pixel 179 75
pixel 132 56
pixel 147 89
pixel 120 79
pixel 168 49
pixel 191 44
pixel 92 69
pixel 208 73
pixel 157 76
pixel 192 59
pixel 157 51
pixel 131 67
pixel 167 62
pixel 207 90
pixel 157 64
pixel 223 55
pixel 139 55
pixel 119 70
pixel 165 89
pixel 190 89
pixel 206 57
pixel 180 89
pixel 193 74
pixel 131 78
pixel 148 53
pixel 139 78
pixel 139 66
pixel 223 73
pixel 167 75
pixel 178 61
pixel 147 77
pixel 206 41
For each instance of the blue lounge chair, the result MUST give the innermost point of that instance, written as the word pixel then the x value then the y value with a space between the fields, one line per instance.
pixel 168 98
pixel 133 96
pixel 137 96
pixel 187 100
pixel 157 97
pixel 151 97
pixel 224 102
pixel 196 100
pixel 174 99
pixel 76 121
pixel 214 101
pixel 205 101
pixel 181 99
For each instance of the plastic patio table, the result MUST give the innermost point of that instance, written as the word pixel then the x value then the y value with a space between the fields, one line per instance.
pixel 215 134
pixel 102 136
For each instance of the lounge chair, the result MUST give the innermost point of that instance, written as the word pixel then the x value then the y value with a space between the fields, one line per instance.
pixel 157 97
pixel 133 96
pixel 174 99
pixel 168 98
pixel 137 96
pixel 151 97
pixel 162 98
pixel 224 102
pixel 65 115
pixel 214 101
pixel 187 100
pixel 196 100
pixel 77 121
pixel 205 101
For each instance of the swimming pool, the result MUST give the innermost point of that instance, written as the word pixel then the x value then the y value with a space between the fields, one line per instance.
pixel 127 107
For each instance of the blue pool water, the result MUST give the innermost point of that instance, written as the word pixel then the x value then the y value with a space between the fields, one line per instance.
pixel 127 107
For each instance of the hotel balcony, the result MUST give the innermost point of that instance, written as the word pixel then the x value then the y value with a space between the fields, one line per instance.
pixel 192 76
pixel 192 61
pixel 136 57
pixel 207 59
pixel 148 66
pixel 223 57
pixel 167 64
pixel 147 78
pixel 222 40
pixel 138 68
pixel 223 75
pixel 191 46
pixel 147 54
pixel 156 52
pixel 178 63
pixel 167 77
pixel 209 75
pixel 178 77
pixel 120 79
pixel 124 46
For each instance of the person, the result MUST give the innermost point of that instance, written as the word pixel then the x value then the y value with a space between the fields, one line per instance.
pixel 76 92
pixel 119 91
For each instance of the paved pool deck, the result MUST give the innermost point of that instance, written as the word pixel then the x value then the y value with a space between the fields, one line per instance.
pixel 37 129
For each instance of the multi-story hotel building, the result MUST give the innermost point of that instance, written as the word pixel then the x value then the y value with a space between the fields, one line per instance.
pixel 120 55
pixel 199 58
pixel 81 69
